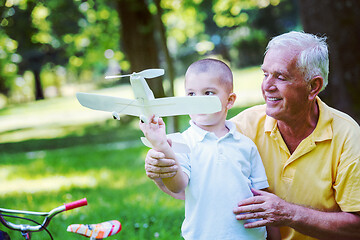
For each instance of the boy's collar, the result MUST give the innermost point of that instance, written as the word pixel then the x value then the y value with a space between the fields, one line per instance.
pixel 201 133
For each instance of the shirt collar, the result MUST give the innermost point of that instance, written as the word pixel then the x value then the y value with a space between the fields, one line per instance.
pixel 199 134
pixel 323 130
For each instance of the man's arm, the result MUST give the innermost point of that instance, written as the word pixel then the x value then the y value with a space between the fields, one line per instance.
pixel 277 212
pixel 157 168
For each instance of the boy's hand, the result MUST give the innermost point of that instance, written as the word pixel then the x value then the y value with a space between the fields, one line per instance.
pixel 155 132
pixel 157 166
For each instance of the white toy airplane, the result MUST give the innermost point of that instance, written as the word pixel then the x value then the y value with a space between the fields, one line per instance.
pixel 145 104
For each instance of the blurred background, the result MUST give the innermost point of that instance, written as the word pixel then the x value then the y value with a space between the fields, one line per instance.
pixel 52 150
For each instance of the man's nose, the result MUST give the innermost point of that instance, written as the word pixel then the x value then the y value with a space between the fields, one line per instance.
pixel 268 83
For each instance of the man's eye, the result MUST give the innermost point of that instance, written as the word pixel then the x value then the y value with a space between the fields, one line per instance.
pixel 209 93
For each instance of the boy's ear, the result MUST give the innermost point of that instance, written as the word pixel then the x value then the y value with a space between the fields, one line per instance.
pixel 231 100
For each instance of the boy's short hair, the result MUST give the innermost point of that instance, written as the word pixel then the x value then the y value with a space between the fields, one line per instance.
pixel 214 67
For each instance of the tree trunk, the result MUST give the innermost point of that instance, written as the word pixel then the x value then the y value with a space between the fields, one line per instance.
pixel 39 93
pixel 340 22
pixel 173 122
pixel 137 34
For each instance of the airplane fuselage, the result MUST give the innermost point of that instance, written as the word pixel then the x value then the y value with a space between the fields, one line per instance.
pixel 143 94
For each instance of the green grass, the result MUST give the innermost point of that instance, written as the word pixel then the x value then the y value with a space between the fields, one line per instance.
pixel 112 178
pixel 113 181
pixel 103 162
pixel 55 151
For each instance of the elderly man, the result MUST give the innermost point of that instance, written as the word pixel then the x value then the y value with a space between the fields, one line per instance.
pixel 310 151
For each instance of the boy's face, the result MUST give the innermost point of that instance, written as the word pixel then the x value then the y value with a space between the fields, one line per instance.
pixel 205 84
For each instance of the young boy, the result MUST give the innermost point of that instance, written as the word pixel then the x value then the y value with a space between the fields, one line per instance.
pixel 223 164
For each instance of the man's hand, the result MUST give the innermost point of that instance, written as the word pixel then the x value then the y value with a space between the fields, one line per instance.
pixel 157 166
pixel 273 210
pixel 276 212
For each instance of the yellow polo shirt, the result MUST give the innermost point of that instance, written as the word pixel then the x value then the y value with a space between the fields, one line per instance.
pixel 322 173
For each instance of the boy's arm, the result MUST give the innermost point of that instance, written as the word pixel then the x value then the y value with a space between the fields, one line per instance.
pixel 155 133
pixel 161 185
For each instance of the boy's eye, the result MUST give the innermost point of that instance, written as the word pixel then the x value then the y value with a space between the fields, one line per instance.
pixel 209 93
pixel 191 94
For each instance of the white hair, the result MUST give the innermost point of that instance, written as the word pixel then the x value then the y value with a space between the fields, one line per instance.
pixel 313 58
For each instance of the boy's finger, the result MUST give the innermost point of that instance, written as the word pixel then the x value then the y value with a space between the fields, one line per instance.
pixel 153 119
pixel 161 121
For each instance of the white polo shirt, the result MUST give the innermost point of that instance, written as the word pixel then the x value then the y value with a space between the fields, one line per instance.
pixel 221 172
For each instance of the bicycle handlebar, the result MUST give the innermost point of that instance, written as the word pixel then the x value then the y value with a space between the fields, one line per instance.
pixel 48 216
pixel 75 204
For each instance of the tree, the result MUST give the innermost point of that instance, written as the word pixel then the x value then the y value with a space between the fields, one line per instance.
pixel 39 43
pixel 137 32
pixel 340 22
pixel 30 51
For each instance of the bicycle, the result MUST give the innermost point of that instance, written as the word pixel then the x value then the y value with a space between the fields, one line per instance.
pixel 27 229
pixel 92 231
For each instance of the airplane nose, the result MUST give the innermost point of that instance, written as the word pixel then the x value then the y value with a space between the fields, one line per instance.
pixel 144 119
pixel 115 115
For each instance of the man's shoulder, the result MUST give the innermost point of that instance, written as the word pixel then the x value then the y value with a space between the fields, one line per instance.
pixel 340 118
pixel 341 121
pixel 252 114
pixel 345 132
pixel 251 120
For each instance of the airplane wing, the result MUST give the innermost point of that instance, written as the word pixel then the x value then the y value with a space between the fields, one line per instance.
pixel 110 104
pixel 184 105
pixel 161 107
pixel 178 143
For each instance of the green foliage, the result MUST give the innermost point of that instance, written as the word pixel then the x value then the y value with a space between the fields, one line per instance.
pixel 75 41
pixel 182 19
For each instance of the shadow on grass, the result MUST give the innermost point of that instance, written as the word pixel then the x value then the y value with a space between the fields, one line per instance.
pixel 98 133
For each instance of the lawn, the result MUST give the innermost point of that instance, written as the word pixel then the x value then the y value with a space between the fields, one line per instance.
pixel 55 151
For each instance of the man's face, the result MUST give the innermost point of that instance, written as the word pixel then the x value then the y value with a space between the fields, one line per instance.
pixel 284 88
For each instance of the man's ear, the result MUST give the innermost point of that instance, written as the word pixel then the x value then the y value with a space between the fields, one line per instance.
pixel 231 100
pixel 316 84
